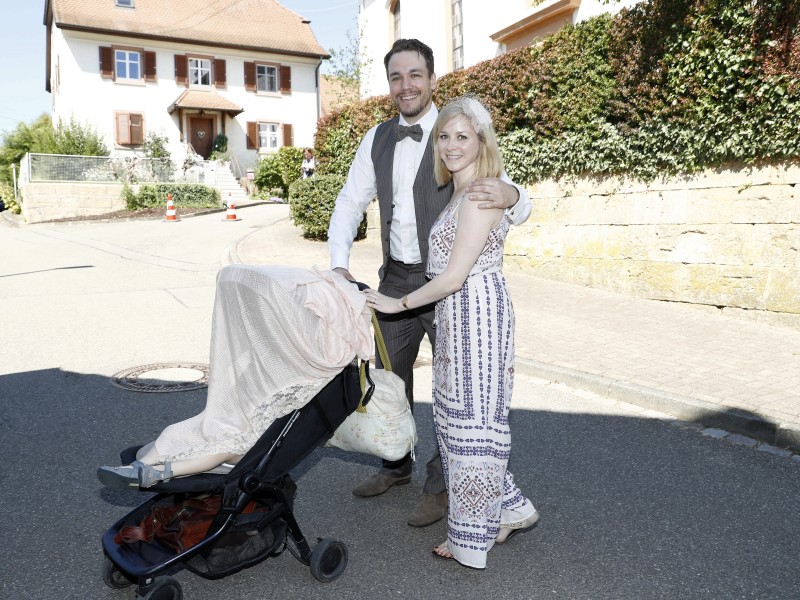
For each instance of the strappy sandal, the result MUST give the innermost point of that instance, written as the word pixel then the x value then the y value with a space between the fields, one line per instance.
pixel 514 528
pixel 149 476
pixel 136 474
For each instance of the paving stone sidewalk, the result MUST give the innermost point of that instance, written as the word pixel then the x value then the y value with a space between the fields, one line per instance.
pixel 718 371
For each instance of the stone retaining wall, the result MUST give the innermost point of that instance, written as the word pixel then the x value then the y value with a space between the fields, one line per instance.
pixel 47 201
pixel 726 239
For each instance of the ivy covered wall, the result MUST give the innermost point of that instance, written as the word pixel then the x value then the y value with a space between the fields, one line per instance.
pixel 663 88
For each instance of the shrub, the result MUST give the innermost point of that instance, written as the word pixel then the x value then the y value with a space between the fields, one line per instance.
pixel 7 196
pixel 311 203
pixel 77 139
pixel 663 88
pixel 280 169
pixel 220 149
pixel 189 195
pixel 339 133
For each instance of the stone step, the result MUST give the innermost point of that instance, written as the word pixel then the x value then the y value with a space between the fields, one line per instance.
pixel 228 186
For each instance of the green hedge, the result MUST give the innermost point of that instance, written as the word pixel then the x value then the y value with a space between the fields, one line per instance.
pixel 183 195
pixel 311 203
pixel 279 170
pixel 663 88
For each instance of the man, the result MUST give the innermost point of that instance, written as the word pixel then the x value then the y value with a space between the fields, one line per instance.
pixel 395 162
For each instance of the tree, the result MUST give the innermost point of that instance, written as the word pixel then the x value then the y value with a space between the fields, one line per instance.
pixel 77 139
pixel 38 136
pixel 351 61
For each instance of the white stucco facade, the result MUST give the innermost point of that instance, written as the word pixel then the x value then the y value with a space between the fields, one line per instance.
pixel 431 22
pixel 80 92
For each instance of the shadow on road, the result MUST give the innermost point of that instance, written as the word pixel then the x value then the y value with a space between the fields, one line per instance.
pixel 631 508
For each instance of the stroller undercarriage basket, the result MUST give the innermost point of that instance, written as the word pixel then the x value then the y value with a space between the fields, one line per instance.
pixel 256 519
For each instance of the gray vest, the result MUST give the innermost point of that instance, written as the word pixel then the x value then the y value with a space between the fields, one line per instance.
pixel 429 198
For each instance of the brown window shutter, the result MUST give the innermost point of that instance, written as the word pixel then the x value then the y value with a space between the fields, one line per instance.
pixel 150 66
pixel 137 129
pixel 123 128
pixel 288 136
pixel 286 79
pixel 219 73
pixel 250 76
pixel 106 62
pixel 181 70
pixel 252 135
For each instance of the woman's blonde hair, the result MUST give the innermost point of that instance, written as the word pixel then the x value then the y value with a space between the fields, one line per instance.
pixel 489 162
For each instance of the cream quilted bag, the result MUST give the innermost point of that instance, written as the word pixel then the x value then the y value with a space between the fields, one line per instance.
pixel 383 424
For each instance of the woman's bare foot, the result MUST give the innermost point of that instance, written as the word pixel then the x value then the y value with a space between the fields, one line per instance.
pixel 442 551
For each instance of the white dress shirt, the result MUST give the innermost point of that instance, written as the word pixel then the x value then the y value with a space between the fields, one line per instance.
pixel 361 188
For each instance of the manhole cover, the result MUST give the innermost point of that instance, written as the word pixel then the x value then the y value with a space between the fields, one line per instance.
pixel 163 377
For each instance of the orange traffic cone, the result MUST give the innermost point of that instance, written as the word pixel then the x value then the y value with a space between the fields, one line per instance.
pixel 231 214
pixel 171 215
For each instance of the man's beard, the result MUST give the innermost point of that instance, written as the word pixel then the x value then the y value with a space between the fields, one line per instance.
pixel 415 110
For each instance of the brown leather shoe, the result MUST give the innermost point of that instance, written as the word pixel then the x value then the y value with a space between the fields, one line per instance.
pixel 376 484
pixel 428 510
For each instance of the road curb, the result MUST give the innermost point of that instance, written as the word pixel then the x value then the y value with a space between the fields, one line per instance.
pixel 708 414
pixel 12 219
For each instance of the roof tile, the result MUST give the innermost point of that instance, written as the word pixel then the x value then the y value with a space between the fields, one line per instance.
pixel 263 25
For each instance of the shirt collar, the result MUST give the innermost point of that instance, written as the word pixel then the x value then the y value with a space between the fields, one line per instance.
pixel 427 122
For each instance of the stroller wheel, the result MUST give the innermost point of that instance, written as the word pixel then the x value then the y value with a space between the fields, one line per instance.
pixel 163 588
pixel 328 560
pixel 112 576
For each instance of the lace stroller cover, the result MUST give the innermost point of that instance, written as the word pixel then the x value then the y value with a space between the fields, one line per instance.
pixel 278 336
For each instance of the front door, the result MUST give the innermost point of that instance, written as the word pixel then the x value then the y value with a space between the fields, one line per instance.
pixel 201 135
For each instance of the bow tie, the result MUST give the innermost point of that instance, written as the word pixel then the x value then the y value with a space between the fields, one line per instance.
pixel 414 132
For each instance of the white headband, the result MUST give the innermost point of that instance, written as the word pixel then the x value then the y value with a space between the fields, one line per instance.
pixel 477 114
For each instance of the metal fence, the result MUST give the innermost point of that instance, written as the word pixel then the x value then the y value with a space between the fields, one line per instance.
pixel 61 167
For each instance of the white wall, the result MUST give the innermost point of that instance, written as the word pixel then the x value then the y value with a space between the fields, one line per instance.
pixel 592 8
pixel 90 99
pixel 429 21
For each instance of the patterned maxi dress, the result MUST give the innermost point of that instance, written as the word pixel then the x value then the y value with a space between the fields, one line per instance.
pixel 473 373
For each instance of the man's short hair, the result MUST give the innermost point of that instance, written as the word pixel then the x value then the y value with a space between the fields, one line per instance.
pixel 410 45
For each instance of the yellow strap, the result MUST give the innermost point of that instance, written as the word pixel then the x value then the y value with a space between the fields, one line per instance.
pixel 362 368
pixel 382 352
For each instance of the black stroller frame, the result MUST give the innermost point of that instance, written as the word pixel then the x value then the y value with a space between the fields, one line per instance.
pixel 260 475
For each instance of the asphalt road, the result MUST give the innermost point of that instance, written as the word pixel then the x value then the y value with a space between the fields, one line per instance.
pixel 634 505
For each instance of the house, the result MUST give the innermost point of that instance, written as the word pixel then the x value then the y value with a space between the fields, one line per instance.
pixel 464 32
pixel 187 70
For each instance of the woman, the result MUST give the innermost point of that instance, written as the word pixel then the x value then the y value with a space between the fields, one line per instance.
pixel 309 164
pixel 474 353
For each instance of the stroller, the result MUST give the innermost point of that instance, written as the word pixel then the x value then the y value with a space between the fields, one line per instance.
pixel 255 520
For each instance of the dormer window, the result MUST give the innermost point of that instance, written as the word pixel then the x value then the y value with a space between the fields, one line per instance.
pixel 124 3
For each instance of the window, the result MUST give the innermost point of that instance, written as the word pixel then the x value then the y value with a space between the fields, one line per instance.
pixel 264 135
pixel 125 3
pixel 127 64
pixel 457 34
pixel 266 78
pixel 396 19
pixel 268 135
pixel 200 71
pixel 129 129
